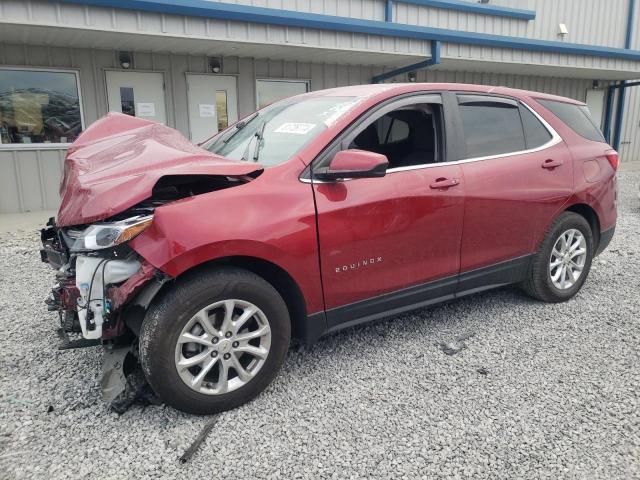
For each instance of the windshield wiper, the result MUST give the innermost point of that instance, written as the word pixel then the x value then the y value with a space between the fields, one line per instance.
pixel 259 136
pixel 239 126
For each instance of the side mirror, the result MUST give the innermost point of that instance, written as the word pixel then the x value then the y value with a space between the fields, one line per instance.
pixel 354 164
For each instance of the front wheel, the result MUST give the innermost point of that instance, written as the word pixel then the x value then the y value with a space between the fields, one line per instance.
pixel 215 341
pixel 562 264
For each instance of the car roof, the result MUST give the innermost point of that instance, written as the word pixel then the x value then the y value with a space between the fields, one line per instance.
pixel 387 90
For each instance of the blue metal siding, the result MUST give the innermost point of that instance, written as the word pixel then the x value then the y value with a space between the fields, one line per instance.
pixel 482 9
pixel 243 13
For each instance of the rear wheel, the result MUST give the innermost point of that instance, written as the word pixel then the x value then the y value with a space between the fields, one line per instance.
pixel 562 264
pixel 215 341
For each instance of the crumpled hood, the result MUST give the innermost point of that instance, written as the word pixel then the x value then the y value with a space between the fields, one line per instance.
pixel 115 163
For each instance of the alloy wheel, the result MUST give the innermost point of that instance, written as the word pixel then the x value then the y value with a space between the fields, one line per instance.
pixel 568 258
pixel 223 346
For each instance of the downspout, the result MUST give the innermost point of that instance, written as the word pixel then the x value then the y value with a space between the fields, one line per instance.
pixel 434 60
pixel 388 11
pixel 621 96
pixel 608 109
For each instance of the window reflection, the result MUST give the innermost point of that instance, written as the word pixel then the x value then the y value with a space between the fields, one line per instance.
pixel 38 106
pixel 221 109
pixel 270 91
pixel 127 102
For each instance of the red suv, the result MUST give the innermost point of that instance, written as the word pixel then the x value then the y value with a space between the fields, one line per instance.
pixel 316 213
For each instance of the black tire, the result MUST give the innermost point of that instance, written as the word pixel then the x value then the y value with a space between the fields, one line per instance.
pixel 538 283
pixel 166 318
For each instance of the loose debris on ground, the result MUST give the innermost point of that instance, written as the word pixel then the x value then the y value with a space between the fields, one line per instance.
pixel 540 391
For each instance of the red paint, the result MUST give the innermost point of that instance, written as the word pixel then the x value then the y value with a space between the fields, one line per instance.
pixel 356 160
pixel 375 234
pixel 123 293
pixel 115 163
pixel 69 295
pixel 509 201
pixel 411 232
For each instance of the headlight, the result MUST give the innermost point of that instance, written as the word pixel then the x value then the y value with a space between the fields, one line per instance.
pixel 107 235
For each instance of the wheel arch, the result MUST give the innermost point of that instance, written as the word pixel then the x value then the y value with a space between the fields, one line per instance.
pixel 584 210
pixel 275 275
pixel 591 216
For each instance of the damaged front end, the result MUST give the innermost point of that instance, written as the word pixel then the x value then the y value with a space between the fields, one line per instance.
pixel 118 173
pixel 102 291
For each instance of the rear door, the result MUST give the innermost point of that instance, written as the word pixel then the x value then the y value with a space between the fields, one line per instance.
pixel 517 173
pixel 393 241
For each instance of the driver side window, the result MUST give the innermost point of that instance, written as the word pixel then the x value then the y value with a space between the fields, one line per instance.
pixel 409 136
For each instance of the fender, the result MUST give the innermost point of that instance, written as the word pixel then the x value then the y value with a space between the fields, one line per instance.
pixel 275 225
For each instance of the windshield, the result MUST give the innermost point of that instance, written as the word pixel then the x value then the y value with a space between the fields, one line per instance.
pixel 274 134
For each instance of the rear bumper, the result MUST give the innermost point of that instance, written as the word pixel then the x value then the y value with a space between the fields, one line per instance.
pixel 605 239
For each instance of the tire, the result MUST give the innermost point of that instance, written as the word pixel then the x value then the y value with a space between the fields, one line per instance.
pixel 539 283
pixel 214 292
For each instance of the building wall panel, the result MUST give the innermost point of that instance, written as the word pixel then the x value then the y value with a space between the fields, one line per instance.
pixel 10 195
pixel 603 24
pixel 630 135
pixel 29 178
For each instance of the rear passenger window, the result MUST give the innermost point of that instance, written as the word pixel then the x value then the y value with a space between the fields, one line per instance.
pixel 491 128
pixel 535 133
pixel 577 117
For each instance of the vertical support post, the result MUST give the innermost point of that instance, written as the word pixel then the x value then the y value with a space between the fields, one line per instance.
pixel 435 53
pixel 617 130
pixel 608 110
pixel 388 11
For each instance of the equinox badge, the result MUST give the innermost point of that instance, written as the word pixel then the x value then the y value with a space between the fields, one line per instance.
pixel 361 263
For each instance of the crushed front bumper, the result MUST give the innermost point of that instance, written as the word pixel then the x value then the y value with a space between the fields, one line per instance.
pixel 93 289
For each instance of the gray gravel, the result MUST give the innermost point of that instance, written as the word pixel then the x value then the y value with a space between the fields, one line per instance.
pixel 533 390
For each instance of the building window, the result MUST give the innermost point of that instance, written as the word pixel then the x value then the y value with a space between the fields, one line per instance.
pixel 39 106
pixel 269 91
pixel 221 109
pixel 127 101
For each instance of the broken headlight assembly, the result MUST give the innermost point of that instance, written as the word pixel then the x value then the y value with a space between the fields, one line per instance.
pixel 108 235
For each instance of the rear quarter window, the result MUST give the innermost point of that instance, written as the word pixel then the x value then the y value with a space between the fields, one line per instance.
pixel 576 117
pixel 535 133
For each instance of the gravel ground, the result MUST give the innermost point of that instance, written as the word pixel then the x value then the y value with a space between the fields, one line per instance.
pixel 545 391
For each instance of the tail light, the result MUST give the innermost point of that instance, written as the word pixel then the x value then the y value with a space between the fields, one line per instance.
pixel 614 158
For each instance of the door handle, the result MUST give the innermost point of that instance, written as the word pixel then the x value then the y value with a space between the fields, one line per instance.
pixel 550 163
pixel 444 183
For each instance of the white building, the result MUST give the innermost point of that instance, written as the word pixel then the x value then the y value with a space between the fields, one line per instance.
pixel 198 65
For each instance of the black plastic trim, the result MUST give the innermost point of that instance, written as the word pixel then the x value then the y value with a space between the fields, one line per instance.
pixel 314 328
pixel 497 275
pixel 391 303
pixel 418 296
pixel 605 239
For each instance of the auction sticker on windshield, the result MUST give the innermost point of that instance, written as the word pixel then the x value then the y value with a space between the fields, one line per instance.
pixel 297 128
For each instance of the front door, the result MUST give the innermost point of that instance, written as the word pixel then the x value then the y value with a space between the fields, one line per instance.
pixel 387 243
pixel 213 104
pixel 140 94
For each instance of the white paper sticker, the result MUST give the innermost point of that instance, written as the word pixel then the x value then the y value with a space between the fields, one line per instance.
pixel 338 110
pixel 207 110
pixel 296 128
pixel 146 109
